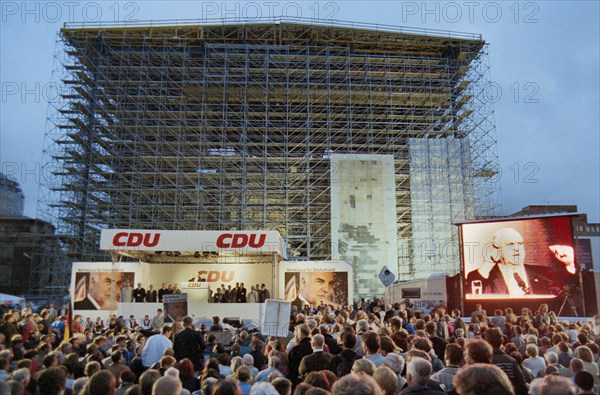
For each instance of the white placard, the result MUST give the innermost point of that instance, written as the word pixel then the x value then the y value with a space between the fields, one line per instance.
pixel 276 320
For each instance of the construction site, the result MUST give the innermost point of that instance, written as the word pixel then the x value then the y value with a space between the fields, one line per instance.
pixel 190 125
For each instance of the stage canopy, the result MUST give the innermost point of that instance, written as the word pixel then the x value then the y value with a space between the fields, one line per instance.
pixel 187 246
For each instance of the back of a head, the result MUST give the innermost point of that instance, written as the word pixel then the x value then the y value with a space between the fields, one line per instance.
pixel 21 375
pixel 79 385
pixel 16 387
pixel 207 384
pixel 318 379
pixel 494 337
pixel 348 340
pixel 282 385
pixel 264 388
pixel 101 383
pixel 386 379
pixel 584 380
pixel 551 357
pixel 419 370
pixel 557 385
pixel 243 374
pixel 481 378
pixel 248 359
pixel 317 391
pixel 52 381
pixel 147 380
pixel 127 376
pixel 226 387
pixel 454 354
pixel 365 366
pixel 395 362
pixel 362 325
pixel 479 351
pixel 318 341
pixel 371 342
pixel 356 384
pixel 167 385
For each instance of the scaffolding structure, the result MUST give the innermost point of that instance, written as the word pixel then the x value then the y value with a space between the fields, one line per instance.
pixel 193 125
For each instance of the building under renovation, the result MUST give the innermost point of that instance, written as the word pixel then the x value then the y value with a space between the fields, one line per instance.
pixel 354 141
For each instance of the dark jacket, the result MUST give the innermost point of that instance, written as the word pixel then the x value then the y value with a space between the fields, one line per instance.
pixel 316 361
pixel 512 370
pixel 295 356
pixel 189 344
pixel 341 364
pixel 421 390
pixel 334 347
pixel 151 296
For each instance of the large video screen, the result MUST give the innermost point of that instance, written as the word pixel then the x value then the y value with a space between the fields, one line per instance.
pixel 526 258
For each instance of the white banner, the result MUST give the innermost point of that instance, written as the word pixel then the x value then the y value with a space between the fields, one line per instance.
pixel 276 319
pixel 239 242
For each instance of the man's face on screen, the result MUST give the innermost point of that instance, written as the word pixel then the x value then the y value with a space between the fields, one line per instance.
pixel 512 248
pixel 317 286
pixel 100 288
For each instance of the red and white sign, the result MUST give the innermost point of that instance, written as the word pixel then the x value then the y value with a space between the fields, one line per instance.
pixel 185 240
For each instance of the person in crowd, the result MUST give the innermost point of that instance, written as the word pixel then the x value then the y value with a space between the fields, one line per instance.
pixel 189 344
pixel 418 372
pixel 454 356
pixel 504 361
pixel 482 378
pixel 155 346
pixel 584 382
pixel 158 320
pixel 318 360
pixel 299 351
pixel 354 384
pixel 371 344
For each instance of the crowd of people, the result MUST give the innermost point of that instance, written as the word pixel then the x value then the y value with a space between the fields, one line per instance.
pixel 361 349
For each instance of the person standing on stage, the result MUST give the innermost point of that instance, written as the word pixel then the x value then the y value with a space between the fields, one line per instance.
pixel 264 293
pixel 162 292
pixel 139 294
pixel 241 294
pixel 126 293
pixel 151 296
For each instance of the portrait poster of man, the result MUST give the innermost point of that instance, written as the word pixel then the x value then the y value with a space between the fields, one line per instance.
pixel 99 290
pixel 518 259
pixel 175 307
pixel 313 287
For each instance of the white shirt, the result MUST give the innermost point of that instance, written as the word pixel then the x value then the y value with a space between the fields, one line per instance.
pixel 536 365
pixel 154 348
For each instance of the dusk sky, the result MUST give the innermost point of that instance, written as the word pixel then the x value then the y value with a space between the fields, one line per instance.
pixel 544 59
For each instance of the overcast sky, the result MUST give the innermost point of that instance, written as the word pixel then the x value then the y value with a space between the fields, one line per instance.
pixel 544 59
